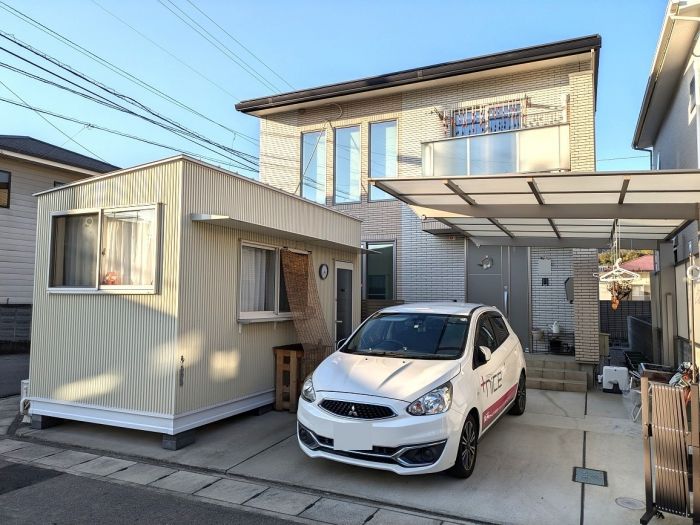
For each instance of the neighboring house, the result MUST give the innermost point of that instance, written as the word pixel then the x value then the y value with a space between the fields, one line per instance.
pixel 668 127
pixel 27 166
pixel 641 287
pixel 520 111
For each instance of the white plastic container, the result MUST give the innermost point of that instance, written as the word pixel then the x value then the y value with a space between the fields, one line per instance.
pixel 615 376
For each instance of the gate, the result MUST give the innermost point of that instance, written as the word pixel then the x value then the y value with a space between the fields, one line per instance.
pixel 671 436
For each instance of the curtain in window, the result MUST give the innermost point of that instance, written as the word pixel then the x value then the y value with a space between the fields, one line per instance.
pixel 128 248
pixel 257 280
pixel 75 251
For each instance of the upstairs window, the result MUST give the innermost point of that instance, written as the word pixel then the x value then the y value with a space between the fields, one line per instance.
pixel 313 166
pixel 4 189
pixel 383 155
pixel 347 165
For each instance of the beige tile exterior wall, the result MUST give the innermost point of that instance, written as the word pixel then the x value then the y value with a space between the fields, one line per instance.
pixel 280 145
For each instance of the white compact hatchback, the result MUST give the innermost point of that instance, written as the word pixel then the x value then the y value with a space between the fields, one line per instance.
pixel 413 389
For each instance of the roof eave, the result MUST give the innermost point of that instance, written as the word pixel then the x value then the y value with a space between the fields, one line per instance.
pixel 446 70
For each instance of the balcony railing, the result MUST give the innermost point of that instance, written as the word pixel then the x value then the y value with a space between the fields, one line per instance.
pixel 543 147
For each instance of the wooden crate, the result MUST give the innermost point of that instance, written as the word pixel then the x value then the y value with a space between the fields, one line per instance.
pixel 288 363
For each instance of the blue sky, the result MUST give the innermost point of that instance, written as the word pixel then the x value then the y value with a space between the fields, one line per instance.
pixel 307 43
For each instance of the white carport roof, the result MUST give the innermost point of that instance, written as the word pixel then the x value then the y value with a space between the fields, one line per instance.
pixel 562 209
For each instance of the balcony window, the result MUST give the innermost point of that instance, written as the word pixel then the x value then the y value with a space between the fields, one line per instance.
pixel 313 166
pixel 532 150
pixel 383 155
pixel 347 165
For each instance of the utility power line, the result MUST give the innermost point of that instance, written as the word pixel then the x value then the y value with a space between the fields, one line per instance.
pixel 120 133
pixel 256 57
pixel 166 51
pixel 70 139
pixel 116 69
pixel 186 132
pixel 218 44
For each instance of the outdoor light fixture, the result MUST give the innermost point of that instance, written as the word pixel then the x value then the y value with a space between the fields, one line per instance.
pixel 434 402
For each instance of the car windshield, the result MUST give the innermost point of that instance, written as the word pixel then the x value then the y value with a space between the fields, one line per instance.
pixel 412 335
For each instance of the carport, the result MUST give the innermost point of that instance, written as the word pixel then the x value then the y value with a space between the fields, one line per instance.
pixel 645 210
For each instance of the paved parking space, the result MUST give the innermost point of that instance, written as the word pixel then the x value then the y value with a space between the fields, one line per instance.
pixel 523 473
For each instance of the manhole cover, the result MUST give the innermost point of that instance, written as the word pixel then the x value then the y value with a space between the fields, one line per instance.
pixel 630 503
pixel 590 476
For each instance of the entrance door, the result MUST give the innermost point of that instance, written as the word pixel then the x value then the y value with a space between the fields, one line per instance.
pixel 499 276
pixel 343 300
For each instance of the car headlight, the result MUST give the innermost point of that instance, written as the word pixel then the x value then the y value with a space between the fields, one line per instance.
pixel 436 401
pixel 307 390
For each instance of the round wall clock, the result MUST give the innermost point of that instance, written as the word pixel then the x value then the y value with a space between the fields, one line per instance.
pixel 323 271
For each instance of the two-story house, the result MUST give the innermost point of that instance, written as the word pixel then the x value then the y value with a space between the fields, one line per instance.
pixel 27 166
pixel 519 111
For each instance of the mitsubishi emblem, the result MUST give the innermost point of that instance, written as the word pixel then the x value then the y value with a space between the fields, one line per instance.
pixel 353 412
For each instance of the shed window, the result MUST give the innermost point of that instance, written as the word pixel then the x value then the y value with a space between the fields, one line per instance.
pixel 129 248
pixel 4 189
pixel 74 251
pixel 107 249
pixel 263 292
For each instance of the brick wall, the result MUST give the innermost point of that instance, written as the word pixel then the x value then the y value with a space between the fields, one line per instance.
pixel 549 303
pixel 586 307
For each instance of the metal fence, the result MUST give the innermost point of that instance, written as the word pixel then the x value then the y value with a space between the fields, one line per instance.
pixel 614 322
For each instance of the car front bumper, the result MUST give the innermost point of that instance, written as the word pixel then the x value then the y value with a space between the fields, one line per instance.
pixel 403 444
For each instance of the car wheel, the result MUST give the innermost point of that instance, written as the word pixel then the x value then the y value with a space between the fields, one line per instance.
pixel 518 407
pixel 466 454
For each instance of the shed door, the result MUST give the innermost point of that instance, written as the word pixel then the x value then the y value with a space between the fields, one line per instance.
pixel 343 300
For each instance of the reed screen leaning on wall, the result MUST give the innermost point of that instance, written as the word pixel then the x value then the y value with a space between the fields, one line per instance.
pixel 305 304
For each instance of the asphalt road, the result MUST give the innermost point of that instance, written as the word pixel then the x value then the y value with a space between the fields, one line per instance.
pixel 30 495
pixel 13 368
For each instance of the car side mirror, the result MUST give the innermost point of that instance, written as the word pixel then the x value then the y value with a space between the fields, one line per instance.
pixel 486 352
pixel 340 343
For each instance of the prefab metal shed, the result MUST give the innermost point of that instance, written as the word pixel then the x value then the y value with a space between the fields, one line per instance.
pixel 159 294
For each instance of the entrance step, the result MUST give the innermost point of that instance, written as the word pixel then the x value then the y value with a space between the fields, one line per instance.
pixel 555 373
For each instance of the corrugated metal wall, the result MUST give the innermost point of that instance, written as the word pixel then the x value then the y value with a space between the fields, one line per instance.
pixel 225 360
pixel 109 350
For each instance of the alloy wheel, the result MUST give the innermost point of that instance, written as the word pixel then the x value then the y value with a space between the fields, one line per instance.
pixel 468 444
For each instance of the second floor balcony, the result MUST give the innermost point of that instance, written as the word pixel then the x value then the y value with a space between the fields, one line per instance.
pixel 543 148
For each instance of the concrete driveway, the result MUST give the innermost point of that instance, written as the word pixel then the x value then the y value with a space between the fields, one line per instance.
pixel 523 473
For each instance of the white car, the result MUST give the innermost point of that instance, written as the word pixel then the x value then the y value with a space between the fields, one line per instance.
pixel 413 389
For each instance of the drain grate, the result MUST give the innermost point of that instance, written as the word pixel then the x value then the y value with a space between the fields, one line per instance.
pixel 590 476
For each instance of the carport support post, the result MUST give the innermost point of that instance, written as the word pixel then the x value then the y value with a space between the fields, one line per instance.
pixel 666 312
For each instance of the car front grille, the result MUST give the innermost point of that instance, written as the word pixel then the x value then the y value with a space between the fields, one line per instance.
pixel 356 410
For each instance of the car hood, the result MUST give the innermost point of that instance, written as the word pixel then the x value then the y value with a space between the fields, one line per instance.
pixel 396 378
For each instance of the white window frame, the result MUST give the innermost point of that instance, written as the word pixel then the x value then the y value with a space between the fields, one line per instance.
pixel 263 315
pixel 369 159
pixel 99 288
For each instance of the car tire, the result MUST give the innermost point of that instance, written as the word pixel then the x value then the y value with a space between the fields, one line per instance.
pixel 518 407
pixel 466 453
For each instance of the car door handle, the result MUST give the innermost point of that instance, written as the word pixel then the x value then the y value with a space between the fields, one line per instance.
pixel 339 321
